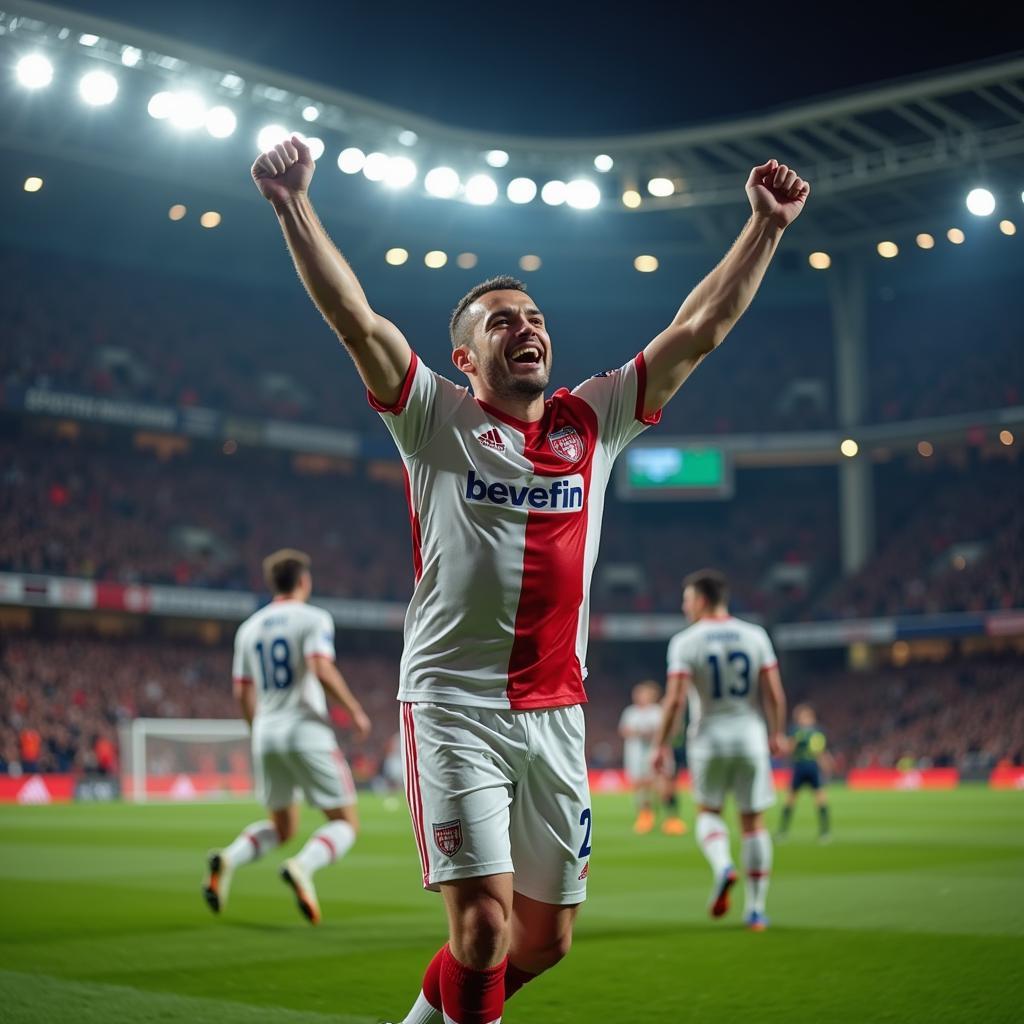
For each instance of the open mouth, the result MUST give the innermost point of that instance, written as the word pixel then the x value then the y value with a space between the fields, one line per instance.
pixel 526 355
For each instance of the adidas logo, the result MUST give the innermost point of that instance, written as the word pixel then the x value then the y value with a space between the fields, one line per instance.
pixel 34 792
pixel 492 439
pixel 585 871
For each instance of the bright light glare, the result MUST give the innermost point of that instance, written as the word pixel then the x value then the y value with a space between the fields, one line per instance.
pixel 160 105
pixel 442 182
pixel 221 122
pixel 351 160
pixel 310 113
pixel 497 158
pixel 376 166
pixel 582 194
pixel 33 184
pixel 646 264
pixel 481 190
pixel 435 259
pixel 521 190
pixel 820 260
pixel 401 171
pixel 97 88
pixel 849 447
pixel 661 187
pixel 553 193
pixel 88 39
pixel 981 202
pixel 130 56
pixel 396 257
pixel 603 162
pixel 407 137
pixel 188 111
pixel 34 71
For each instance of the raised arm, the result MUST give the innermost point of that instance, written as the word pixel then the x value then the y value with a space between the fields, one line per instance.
pixel 381 353
pixel 777 196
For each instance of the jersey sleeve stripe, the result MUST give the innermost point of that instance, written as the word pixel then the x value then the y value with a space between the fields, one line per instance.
pixel 641 394
pixel 397 408
pixel 768 668
pixel 242 681
pixel 680 673
pixel 320 655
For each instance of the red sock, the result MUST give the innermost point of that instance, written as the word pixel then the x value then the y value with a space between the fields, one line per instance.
pixel 469 996
pixel 432 979
pixel 515 979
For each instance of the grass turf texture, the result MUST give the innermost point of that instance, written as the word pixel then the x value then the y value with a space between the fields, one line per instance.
pixel 914 913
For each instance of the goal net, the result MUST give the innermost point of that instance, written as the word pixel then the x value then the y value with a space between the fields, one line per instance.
pixel 185 759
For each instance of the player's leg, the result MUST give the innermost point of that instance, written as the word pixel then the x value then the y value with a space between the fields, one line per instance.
pixel 672 824
pixel 787 808
pixel 710 778
pixel 755 793
pixel 276 790
pixel 821 799
pixel 327 783
pixel 459 780
pixel 642 788
pixel 541 936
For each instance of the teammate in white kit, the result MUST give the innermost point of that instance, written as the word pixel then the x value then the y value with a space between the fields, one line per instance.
pixel 283 670
pixel 639 727
pixel 505 495
pixel 728 669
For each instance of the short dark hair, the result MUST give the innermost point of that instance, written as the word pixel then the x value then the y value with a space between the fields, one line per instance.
pixel 501 283
pixel 711 584
pixel 283 569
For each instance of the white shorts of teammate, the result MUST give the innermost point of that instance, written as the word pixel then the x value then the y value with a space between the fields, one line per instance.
pixel 500 791
pixel 748 776
pixel 322 776
pixel 636 763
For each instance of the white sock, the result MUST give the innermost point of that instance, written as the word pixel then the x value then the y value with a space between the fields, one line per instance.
pixel 252 843
pixel 713 836
pixel 327 844
pixel 422 1012
pixel 757 863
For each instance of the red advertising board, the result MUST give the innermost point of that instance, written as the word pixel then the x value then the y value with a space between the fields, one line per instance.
pixel 893 778
pixel 37 789
pixel 1007 777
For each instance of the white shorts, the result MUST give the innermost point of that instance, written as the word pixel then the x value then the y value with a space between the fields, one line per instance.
pixel 323 777
pixel 747 776
pixel 495 791
pixel 637 764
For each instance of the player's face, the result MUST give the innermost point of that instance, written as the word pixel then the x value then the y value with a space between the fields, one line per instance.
pixel 805 718
pixel 693 603
pixel 511 348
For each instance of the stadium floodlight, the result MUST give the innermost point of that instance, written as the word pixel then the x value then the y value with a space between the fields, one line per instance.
pixel 849 447
pixel 646 264
pixel 97 88
pixel 521 190
pixel 34 71
pixel 661 187
pixel 435 259
pixel 442 182
pixel 88 39
pixel 481 190
pixel 130 56
pixel 221 122
pixel 603 162
pixel 925 241
pixel 33 184
pixel 351 160
pixel 271 135
pixel 530 262
pixel 981 202
pixel 160 105
pixel 401 172
pixel 376 166
pixel 316 145
pixel 956 236
pixel 582 194
pixel 188 111
pixel 820 260
pixel 467 260
pixel 1008 227
pixel 310 112
pixel 631 198
pixel 496 158
pixel 408 137
pixel 553 192
pixel 210 219
pixel 396 257
pixel 888 250
pixel 1006 437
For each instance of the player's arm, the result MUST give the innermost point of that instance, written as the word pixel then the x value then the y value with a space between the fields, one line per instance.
pixel 381 353
pixel 246 697
pixel 671 709
pixel 335 686
pixel 773 698
pixel 777 195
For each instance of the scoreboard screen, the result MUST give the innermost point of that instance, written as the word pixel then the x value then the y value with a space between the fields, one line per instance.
pixel 676 473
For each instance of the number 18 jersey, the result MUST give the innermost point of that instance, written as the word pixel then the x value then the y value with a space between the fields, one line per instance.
pixel 271 648
pixel 723 659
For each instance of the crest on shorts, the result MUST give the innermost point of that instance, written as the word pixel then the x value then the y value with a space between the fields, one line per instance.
pixel 567 444
pixel 448 836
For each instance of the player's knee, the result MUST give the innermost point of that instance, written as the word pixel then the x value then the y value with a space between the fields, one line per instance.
pixel 483 933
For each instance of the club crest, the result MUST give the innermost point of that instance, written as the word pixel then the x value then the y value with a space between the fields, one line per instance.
pixel 567 444
pixel 448 836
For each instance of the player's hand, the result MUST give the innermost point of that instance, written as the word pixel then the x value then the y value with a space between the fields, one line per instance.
pixel 284 172
pixel 362 724
pixel 659 761
pixel 777 193
pixel 777 744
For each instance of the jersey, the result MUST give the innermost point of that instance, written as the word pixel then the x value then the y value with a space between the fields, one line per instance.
pixel 808 744
pixel 723 659
pixel 506 520
pixel 271 648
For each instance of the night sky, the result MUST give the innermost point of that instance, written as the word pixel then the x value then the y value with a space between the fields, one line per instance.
pixel 551 69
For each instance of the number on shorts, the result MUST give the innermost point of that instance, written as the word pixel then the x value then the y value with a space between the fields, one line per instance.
pixel 280 664
pixel 740 686
pixel 585 819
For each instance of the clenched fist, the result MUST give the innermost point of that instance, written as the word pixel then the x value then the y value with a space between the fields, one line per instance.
pixel 776 192
pixel 284 172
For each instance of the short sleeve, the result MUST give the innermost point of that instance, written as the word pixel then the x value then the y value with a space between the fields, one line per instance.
pixel 680 660
pixel 240 669
pixel 319 639
pixel 624 718
pixel 768 658
pixel 617 397
pixel 427 401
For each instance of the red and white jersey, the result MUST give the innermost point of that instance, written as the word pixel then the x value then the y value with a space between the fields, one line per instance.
pixel 506 521
pixel 271 648
pixel 723 659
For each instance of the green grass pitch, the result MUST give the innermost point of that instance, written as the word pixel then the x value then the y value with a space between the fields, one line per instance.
pixel 914 913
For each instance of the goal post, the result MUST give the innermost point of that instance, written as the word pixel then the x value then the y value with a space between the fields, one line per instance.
pixel 185 759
